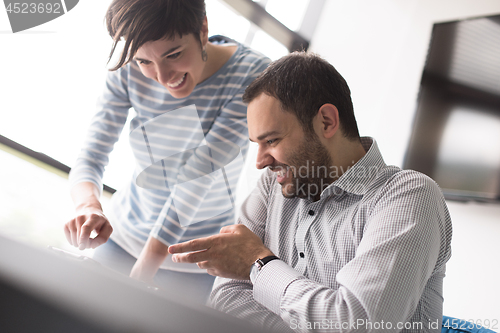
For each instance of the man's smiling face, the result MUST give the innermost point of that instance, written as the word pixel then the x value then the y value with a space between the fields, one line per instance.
pixel 287 149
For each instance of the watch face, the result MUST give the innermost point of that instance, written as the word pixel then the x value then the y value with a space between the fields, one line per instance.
pixel 254 271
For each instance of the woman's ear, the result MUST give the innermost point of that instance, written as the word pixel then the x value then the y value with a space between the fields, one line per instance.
pixel 328 118
pixel 204 32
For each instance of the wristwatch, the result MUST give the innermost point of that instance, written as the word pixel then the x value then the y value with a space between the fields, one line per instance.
pixel 257 266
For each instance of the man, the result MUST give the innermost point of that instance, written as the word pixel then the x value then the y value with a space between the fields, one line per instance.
pixel 362 246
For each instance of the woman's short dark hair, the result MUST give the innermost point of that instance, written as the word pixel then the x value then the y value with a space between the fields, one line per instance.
pixel 141 21
pixel 303 82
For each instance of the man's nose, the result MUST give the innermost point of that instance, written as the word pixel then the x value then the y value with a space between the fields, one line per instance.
pixel 264 159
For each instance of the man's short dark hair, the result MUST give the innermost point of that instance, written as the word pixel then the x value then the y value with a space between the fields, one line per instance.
pixel 303 82
pixel 141 21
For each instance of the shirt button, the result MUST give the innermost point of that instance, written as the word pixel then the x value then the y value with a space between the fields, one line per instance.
pixel 302 255
pixel 311 212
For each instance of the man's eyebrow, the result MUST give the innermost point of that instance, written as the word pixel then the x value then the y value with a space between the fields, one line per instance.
pixel 163 55
pixel 265 135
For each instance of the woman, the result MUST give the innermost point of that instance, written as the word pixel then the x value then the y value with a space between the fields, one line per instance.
pixel 168 64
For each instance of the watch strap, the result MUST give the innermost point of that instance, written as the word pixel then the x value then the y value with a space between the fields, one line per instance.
pixel 261 262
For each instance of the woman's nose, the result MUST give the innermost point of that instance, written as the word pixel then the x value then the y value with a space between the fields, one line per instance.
pixel 164 74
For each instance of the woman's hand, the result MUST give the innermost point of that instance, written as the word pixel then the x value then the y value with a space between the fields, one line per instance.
pixel 88 219
pixel 144 273
pixel 152 256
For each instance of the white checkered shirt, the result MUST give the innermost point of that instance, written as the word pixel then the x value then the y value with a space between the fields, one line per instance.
pixel 369 256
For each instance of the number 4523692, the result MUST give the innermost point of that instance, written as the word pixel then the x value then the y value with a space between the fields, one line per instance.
pixel 32 8
pixel 455 323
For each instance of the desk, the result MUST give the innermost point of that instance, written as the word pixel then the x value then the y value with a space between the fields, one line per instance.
pixel 41 291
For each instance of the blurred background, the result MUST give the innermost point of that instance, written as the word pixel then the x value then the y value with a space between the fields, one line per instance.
pixel 51 76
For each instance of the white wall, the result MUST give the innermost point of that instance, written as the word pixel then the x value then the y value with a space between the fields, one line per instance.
pixel 471 287
pixel 380 48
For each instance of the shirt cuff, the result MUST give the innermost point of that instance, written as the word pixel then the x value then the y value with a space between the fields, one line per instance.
pixel 271 283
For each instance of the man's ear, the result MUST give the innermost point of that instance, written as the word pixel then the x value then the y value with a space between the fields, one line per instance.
pixel 328 118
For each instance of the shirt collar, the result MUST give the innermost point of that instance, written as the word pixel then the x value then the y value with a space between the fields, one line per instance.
pixel 357 178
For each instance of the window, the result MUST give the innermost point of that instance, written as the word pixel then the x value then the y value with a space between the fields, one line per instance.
pixel 50 79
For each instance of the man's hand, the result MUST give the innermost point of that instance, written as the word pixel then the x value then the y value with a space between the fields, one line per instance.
pixel 78 230
pixel 229 254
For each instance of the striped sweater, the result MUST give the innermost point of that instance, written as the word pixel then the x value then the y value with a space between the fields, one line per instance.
pixel 188 153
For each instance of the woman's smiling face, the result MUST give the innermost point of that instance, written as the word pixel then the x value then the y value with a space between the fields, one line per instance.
pixel 176 63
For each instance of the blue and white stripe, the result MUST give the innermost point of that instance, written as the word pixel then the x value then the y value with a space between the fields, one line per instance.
pixel 139 212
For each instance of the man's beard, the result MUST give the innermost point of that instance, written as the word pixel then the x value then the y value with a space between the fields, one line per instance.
pixel 309 166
